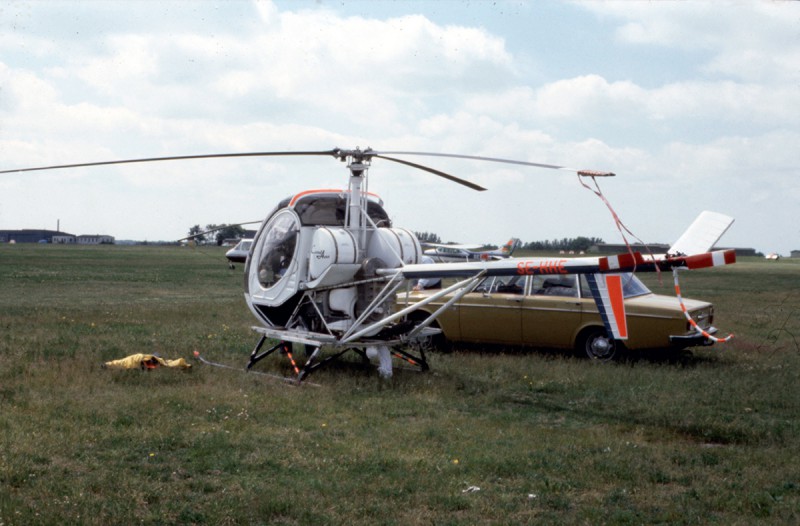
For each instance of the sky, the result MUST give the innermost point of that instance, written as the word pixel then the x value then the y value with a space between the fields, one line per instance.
pixel 693 105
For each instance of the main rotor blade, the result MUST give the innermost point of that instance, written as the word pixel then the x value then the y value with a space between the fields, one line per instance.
pixel 335 152
pixel 433 171
pixel 498 160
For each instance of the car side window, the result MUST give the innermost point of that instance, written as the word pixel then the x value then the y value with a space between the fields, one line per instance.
pixel 502 285
pixel 559 285
pixel 586 292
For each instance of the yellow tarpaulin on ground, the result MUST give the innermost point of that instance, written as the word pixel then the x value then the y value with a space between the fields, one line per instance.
pixel 147 361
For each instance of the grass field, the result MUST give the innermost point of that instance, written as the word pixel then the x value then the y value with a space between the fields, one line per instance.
pixel 712 437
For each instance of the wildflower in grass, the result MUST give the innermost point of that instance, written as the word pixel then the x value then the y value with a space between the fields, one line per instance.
pixel 455 461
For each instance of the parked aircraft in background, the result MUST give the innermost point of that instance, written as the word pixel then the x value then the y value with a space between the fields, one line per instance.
pixel 238 254
pixel 459 253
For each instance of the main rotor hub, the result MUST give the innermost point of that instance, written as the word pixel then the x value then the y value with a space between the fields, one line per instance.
pixel 357 168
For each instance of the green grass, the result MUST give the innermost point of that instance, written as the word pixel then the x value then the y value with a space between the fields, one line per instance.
pixel 709 438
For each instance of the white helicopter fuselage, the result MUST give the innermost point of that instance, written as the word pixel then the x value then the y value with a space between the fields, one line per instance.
pixel 310 268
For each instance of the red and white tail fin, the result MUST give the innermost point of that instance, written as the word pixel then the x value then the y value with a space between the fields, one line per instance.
pixel 608 296
pixel 702 234
pixel 510 245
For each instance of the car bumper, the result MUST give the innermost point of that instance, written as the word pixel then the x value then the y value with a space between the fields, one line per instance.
pixel 693 340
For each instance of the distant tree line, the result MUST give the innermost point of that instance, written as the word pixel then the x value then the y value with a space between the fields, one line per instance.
pixel 567 243
pixel 215 234
pixel 427 237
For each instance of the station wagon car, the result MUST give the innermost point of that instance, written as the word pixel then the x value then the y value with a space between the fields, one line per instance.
pixel 547 311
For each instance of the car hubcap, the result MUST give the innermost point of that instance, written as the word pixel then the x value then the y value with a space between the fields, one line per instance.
pixel 601 347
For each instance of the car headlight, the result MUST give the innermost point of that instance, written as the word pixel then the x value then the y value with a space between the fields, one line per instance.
pixel 704 318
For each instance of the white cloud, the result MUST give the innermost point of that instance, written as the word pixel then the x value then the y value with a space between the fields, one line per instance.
pixel 206 77
pixel 752 41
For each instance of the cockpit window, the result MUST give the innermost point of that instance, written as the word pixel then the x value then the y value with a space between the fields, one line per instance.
pixel 329 210
pixel 321 210
pixel 278 250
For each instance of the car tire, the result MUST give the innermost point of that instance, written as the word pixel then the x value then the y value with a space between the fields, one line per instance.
pixel 436 343
pixel 595 344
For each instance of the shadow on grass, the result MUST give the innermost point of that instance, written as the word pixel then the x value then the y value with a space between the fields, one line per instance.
pixel 678 357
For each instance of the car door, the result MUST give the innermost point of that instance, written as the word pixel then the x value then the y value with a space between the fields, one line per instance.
pixel 491 314
pixel 551 311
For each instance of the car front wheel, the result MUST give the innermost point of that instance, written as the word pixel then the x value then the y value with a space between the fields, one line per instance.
pixel 596 344
pixel 436 342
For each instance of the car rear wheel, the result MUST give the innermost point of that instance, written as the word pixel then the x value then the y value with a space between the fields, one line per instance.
pixel 597 346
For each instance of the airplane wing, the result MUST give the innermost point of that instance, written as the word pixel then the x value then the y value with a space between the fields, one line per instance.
pixel 459 247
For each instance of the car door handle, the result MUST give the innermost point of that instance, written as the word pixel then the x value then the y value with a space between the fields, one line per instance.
pixel 514 299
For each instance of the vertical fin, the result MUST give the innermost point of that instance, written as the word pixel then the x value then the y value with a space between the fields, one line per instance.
pixel 607 292
pixel 702 234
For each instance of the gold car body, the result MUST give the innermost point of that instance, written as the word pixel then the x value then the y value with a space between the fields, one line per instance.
pixel 559 311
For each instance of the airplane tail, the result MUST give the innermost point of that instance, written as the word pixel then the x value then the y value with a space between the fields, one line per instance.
pixel 511 245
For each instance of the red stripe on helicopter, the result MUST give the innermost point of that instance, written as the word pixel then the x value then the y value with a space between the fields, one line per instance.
pixel 620 262
pixel 711 259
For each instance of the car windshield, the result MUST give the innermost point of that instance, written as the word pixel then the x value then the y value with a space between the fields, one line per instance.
pixel 631 286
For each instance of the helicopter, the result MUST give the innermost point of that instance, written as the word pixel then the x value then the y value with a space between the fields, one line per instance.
pixel 326 267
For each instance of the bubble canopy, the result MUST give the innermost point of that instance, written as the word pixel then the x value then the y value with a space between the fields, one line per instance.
pixel 278 239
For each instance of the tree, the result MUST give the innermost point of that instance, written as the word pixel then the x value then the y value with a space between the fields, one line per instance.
pixel 196 233
pixel 427 237
pixel 216 233
pixel 577 244
pixel 229 232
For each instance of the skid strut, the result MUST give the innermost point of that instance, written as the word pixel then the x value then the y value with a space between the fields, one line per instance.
pixel 302 371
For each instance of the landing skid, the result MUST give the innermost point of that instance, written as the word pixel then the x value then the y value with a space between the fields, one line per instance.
pixel 313 361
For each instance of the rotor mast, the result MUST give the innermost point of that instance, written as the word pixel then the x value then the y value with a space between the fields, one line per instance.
pixel 356 220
